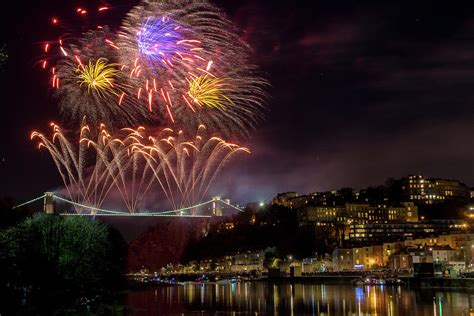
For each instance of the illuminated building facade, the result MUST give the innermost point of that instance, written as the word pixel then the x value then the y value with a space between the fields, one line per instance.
pixel 432 190
pixel 285 199
pixel 376 232
pixel 368 257
pixel 358 213
pixel 343 259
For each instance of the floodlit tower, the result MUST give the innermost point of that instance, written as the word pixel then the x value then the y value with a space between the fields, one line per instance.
pixel 216 207
pixel 48 206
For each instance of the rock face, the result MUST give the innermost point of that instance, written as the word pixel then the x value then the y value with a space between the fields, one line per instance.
pixel 162 244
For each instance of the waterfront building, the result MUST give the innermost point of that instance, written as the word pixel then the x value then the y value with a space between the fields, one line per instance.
pixel 420 255
pixel 343 259
pixel 444 254
pixel 389 248
pixel 370 257
pixel 469 253
pixel 400 260
pixel 248 261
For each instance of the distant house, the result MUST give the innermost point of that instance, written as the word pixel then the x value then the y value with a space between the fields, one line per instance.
pixel 420 255
pixel 343 259
pixel 400 260
pixel 444 254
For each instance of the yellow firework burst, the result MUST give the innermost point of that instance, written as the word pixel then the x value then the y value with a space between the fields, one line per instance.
pixel 210 91
pixel 99 76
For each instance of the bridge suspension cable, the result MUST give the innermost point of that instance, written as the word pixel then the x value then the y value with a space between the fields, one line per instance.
pixel 143 213
pixel 28 202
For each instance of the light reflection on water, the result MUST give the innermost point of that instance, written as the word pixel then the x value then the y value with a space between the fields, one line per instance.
pixel 298 299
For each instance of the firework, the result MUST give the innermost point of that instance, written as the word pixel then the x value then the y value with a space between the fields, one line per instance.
pixel 89 83
pixel 135 162
pixel 160 39
pixel 98 76
pixel 188 66
pixel 73 161
pixel 208 91
pixel 177 63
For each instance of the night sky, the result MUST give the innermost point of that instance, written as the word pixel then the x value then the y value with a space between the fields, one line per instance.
pixel 361 91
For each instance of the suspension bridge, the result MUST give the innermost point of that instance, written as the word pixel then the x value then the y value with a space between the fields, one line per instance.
pixel 49 198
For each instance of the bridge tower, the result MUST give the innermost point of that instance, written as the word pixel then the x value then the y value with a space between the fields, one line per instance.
pixel 216 207
pixel 48 206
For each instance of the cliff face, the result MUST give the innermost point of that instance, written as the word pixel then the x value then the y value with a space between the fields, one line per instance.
pixel 162 244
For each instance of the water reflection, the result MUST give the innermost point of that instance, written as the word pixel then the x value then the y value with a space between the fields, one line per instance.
pixel 298 299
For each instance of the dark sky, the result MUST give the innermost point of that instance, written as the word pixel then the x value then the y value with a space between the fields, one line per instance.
pixel 361 91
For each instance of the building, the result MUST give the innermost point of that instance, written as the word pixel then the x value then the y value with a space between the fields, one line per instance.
pixel 468 249
pixel 364 213
pixel 419 189
pixel 369 257
pixel 420 255
pixel 358 213
pixel 455 241
pixel 342 259
pixel 315 214
pixel 248 261
pixel 444 254
pixel 380 232
pixel 400 260
pixel 389 248
pixel 284 199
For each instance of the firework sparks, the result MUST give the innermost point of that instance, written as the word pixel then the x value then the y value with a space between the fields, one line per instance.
pixel 177 63
pixel 134 162
pixel 98 76
pixel 186 49
pixel 160 39
pixel 210 92
pixel 92 86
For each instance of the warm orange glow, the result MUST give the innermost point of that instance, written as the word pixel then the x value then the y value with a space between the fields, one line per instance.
pixel 150 95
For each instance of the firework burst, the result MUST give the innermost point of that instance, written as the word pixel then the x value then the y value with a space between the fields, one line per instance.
pixel 177 63
pixel 89 83
pixel 211 92
pixel 133 162
pixel 177 54
pixel 98 76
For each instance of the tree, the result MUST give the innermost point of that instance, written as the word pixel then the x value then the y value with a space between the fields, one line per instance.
pixel 58 256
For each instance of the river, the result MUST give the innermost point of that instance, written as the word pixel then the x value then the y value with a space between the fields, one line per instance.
pixel 298 299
